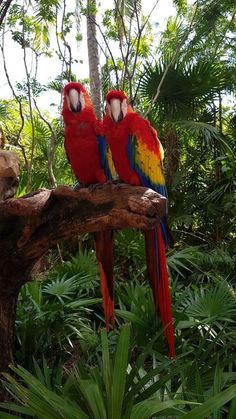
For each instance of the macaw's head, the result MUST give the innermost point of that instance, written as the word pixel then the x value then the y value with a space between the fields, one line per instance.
pixel 117 105
pixel 76 99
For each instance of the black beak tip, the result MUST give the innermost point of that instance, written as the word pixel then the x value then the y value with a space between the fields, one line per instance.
pixel 77 109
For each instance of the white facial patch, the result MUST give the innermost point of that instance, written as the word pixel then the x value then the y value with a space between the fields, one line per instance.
pixel 82 101
pixel 72 99
pixel 124 107
pixel 115 107
pixel 109 109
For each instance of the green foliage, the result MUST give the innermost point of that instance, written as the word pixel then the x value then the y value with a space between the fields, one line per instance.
pixel 3 111
pixel 127 373
pixel 99 393
pixel 55 313
pixel 82 265
pixel 210 306
pixel 130 248
pixel 187 87
pixel 136 306
pixel 116 388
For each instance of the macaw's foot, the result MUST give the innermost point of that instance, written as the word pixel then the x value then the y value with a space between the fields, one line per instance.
pixel 95 186
pixel 79 186
pixel 118 183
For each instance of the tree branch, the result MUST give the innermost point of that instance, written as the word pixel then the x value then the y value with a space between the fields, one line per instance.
pixel 46 217
pixel 4 10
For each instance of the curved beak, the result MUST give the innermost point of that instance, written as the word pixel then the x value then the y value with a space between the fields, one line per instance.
pixel 73 101
pixel 116 112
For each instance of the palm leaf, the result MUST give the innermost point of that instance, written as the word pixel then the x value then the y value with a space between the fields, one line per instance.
pixel 210 305
pixel 120 372
pixel 185 87
pixel 148 408
pixel 212 404
pixel 3 111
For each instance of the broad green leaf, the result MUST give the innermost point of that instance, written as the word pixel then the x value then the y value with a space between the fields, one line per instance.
pixel 215 402
pixel 217 387
pixel 232 409
pixel 148 408
pixel 150 390
pixel 120 372
pixel 7 416
pixel 93 395
pixel 107 370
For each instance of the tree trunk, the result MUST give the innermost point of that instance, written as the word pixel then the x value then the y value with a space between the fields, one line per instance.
pixel 172 156
pixel 8 303
pixel 94 74
pixel 4 9
pixel 31 225
pixel 9 174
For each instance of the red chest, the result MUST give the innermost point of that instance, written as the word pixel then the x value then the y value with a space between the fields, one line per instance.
pixel 83 152
pixel 117 136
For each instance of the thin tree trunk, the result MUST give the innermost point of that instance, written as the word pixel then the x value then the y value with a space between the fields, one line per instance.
pixel 218 172
pixel 4 9
pixel 94 73
pixel 8 303
pixel 172 156
pixel 218 168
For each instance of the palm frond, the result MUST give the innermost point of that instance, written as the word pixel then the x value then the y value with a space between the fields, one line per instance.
pixel 61 288
pixel 212 305
pixel 185 87
pixel 3 110
pixel 199 128
pixel 82 266
pixel 182 261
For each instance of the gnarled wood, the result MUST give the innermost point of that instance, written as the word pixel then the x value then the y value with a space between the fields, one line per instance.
pixel 31 225
pixel 9 173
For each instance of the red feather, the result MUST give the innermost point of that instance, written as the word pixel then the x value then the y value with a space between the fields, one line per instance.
pixel 105 258
pixel 115 94
pixel 117 136
pixel 82 149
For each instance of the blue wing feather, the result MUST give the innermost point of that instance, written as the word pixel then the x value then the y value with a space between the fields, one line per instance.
pixel 103 156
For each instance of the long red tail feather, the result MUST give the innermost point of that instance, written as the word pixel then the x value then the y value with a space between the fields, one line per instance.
pixel 158 277
pixel 105 257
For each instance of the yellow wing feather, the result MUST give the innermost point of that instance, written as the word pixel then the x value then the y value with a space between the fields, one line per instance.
pixel 149 163
pixel 111 164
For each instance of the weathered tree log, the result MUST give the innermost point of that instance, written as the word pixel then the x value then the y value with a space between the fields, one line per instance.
pixel 9 174
pixel 31 225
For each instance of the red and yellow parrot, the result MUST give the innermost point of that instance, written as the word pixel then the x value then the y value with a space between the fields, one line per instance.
pixel 137 154
pixel 91 162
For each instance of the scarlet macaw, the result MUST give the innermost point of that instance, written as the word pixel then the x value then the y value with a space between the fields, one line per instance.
pixel 138 154
pixel 91 163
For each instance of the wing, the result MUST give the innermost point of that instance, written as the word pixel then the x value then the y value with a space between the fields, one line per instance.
pixel 146 157
pixel 106 158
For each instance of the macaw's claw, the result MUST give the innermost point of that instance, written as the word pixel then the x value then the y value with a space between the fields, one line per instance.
pixel 79 186
pixel 118 183
pixel 94 186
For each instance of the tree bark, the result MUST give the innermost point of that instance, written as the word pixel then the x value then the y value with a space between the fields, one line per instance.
pixel 9 174
pixel 173 156
pixel 94 73
pixel 8 303
pixel 31 225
